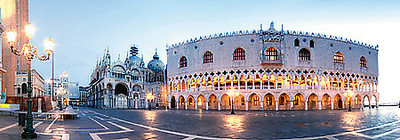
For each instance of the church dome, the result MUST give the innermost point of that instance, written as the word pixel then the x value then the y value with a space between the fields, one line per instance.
pixel 156 64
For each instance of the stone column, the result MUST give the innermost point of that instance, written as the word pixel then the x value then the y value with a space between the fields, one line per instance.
pixel 206 105
pixel 169 105
pixel 319 105
pixel 343 104
pixel 276 105
pixel 262 105
pixel 219 105
pixel 195 105
pixel 291 104
pixel 247 105
pixel 332 105
pixel 186 103
pixel 177 105
pixel 306 105
pixel 369 103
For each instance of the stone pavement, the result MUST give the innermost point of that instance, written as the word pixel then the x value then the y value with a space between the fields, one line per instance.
pixel 382 123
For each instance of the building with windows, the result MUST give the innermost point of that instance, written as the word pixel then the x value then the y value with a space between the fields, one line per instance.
pixel 83 93
pixel 2 71
pixel 272 70
pixel 125 84
pixel 21 84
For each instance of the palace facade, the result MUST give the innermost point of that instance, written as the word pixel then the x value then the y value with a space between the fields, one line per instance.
pixel 272 70
pixel 125 84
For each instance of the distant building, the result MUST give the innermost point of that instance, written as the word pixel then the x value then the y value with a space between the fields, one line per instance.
pixel 272 70
pixel 73 93
pixel 83 93
pixel 21 84
pixel 121 84
pixel 2 71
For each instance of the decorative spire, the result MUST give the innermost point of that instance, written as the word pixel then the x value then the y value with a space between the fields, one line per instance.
pixel 134 50
pixel 155 56
pixel 271 26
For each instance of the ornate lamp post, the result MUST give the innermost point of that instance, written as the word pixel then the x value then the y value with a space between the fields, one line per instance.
pixel 149 97
pixel 232 94
pixel 349 95
pixel 29 51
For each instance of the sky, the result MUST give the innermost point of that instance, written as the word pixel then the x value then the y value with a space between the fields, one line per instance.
pixel 84 29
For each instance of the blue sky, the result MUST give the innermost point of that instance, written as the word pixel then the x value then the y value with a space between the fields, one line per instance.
pixel 83 29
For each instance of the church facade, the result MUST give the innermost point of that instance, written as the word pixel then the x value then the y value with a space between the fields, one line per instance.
pixel 125 84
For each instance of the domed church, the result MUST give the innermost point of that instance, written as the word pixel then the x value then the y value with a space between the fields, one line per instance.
pixel 125 84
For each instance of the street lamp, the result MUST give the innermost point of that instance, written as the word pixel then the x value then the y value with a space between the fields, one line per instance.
pixel 349 95
pixel 149 97
pixel 29 51
pixel 232 94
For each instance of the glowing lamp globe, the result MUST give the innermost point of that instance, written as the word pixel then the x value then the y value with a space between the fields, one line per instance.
pixel 11 36
pixel 49 44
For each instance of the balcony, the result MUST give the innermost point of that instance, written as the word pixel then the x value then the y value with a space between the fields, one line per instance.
pixel 271 62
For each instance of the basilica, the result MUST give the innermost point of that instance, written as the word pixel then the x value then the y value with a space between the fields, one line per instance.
pixel 125 84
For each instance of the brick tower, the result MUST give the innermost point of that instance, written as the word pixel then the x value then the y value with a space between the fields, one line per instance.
pixel 14 15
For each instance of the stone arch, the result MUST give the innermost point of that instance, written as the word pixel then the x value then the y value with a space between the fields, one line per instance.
pixel 298 102
pixel 239 102
pixel 312 101
pixel 283 101
pixel 338 102
pixel 326 102
pixel 225 102
pixel 254 102
pixel 357 101
pixel 269 102
pixel 374 101
pixel 173 102
pixel 121 88
pixel 212 102
pixel 201 102
pixel 181 102
pixel 190 102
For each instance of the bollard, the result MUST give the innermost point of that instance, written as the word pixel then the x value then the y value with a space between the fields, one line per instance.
pixel 21 119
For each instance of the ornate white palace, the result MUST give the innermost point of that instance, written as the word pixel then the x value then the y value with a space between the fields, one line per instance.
pixel 272 70
pixel 126 84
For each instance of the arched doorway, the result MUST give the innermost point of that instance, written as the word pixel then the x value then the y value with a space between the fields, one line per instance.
pixel 225 102
pixel 254 102
pixel 201 102
pixel 298 102
pixel 181 103
pixel 269 102
pixel 357 101
pixel 212 102
pixel 173 102
pixel 366 101
pixel 284 102
pixel 313 102
pixel 239 102
pixel 326 102
pixel 374 101
pixel 121 91
pixel 338 102
pixel 191 102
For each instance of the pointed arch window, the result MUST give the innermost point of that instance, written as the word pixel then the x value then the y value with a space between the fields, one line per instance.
pixel 312 43
pixel 296 42
pixel 239 54
pixel 338 58
pixel 271 54
pixel 208 57
pixel 363 62
pixel 183 62
pixel 304 54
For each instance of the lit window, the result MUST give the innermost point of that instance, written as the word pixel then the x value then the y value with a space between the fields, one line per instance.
pixel 183 62
pixel 239 54
pixel 208 57
pixel 304 54
pixel 271 54
pixel 363 62
pixel 338 58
